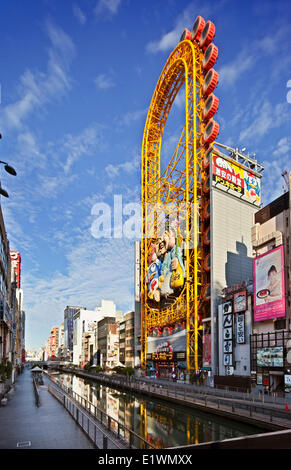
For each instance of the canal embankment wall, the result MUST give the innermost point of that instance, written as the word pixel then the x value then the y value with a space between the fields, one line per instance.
pixel 266 441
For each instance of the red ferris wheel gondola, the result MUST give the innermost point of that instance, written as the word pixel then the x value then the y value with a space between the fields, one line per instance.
pixel 198 27
pixel 206 292
pixel 186 35
pixel 206 210
pixel 211 106
pixel 210 57
pixel 211 132
pixel 206 185
pixel 206 263
pixel 207 158
pixel 210 82
pixel 207 34
pixel 206 236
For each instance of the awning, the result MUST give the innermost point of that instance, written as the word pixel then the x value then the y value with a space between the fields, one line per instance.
pixel 36 369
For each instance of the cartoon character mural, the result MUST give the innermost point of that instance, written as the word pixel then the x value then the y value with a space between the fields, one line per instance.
pixel 154 274
pixel 166 271
pixel 252 187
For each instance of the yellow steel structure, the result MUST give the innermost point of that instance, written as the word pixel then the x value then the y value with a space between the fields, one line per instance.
pixel 180 185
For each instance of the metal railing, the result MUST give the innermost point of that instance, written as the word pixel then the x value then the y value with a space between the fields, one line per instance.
pixel 36 394
pixel 86 414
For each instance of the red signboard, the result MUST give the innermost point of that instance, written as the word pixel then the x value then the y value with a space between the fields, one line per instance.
pixel 207 350
pixel 23 356
pixel 16 266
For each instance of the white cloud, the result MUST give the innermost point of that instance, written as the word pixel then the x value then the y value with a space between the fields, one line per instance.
pixel 38 88
pixel 79 14
pixel 95 270
pixel 103 82
pixel 267 117
pixel 112 171
pixel 272 180
pixel 228 74
pixel 86 143
pixel 131 116
pixel 129 166
pixel 29 149
pixel 283 147
pixel 250 54
pixel 50 186
pixel 170 39
pixel 107 6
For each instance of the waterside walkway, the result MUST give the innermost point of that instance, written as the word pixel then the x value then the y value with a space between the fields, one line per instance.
pixel 49 426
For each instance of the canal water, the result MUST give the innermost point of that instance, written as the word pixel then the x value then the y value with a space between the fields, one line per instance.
pixel 157 421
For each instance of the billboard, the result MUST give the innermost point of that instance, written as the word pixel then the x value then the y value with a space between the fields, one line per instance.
pixel 269 288
pixel 164 347
pixel 232 176
pixel 240 301
pixel 16 266
pixel 270 357
pixel 165 276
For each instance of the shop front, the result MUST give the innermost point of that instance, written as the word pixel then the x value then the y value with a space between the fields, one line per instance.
pixel 167 366
pixel 166 353
pixel 270 367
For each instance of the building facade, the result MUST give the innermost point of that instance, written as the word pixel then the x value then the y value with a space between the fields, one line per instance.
pixel 54 342
pixel 126 340
pixel 69 313
pixel 83 321
pixel 108 343
pixel 235 197
pixel 61 348
pixel 271 336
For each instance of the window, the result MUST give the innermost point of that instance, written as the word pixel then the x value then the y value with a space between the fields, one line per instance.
pixel 280 324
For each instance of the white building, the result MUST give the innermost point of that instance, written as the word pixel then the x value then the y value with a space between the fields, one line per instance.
pixel 85 321
pixel 108 309
pixel 61 341
pixel 113 348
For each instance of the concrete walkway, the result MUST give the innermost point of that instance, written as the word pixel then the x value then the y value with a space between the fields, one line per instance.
pixel 48 426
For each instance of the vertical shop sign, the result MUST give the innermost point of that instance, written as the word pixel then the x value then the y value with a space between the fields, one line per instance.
pixel 240 328
pixel 207 350
pixel 227 323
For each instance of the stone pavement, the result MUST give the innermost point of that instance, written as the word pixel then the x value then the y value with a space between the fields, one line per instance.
pixel 48 426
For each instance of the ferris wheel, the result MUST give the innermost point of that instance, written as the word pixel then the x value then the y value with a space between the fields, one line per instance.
pixel 178 199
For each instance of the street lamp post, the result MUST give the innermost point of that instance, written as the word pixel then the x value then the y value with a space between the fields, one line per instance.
pixel 9 170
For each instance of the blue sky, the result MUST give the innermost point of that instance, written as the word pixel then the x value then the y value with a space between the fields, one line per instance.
pixel 76 82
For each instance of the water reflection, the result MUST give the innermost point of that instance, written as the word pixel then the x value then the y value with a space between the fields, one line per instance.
pixel 156 421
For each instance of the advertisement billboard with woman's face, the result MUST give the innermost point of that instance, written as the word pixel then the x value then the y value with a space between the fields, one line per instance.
pixel 269 289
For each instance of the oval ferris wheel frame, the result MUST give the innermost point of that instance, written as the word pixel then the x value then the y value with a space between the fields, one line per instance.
pixel 181 181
